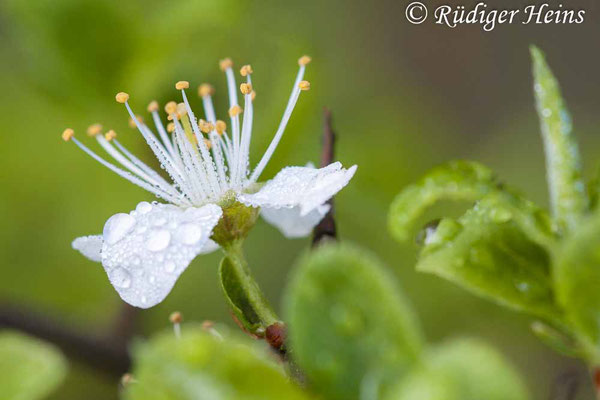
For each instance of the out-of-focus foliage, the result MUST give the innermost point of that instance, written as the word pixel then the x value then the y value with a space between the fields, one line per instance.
pixel 29 368
pixel 201 365
pixel 354 337
pixel 351 329
pixel 461 369
pixel 507 249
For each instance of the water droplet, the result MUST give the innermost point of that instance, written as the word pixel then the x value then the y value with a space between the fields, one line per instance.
pixel 500 215
pixel 120 278
pixel 189 234
pixel 426 235
pixel 522 286
pixel 143 299
pixel 159 221
pixel 117 227
pixel 144 207
pixel 158 240
pixel 151 279
pixel 169 266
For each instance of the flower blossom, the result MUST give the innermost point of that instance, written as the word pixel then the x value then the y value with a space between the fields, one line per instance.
pixel 212 192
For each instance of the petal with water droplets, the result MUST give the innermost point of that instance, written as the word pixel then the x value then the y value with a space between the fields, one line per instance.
pixel 89 246
pixel 150 247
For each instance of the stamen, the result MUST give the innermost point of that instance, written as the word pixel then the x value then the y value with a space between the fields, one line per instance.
pixel 94 129
pixel 122 97
pixel 205 90
pixel 153 106
pixel 170 127
pixel 246 88
pixel 235 111
pixel 225 64
pixel 67 134
pixel 132 123
pixel 304 85
pixel 176 319
pixel 246 70
pixel 284 120
pixel 110 135
pixel 304 60
pixel 182 85
pixel 220 126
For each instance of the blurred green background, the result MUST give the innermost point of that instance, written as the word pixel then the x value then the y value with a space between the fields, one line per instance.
pixel 404 98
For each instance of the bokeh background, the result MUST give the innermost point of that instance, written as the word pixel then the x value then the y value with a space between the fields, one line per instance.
pixel 404 98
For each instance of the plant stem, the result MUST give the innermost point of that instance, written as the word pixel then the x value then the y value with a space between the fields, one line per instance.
pixel 257 309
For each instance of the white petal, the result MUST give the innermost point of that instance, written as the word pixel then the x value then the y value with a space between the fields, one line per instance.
pixel 289 221
pixel 145 251
pixel 303 187
pixel 89 246
pixel 209 247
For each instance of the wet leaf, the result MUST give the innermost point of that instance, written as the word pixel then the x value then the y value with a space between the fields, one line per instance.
pixel 462 369
pixel 457 180
pixel 500 250
pixel 568 198
pixel 30 369
pixel 351 330
pixel 201 366
pixel 577 283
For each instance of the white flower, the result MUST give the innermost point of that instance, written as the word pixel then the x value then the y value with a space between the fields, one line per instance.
pixel 145 251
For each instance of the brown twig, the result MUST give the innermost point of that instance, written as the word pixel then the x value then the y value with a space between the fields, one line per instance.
pixel 326 229
pixel 107 353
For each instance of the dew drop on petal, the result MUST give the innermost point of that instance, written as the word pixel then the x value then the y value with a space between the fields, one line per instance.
pixel 117 227
pixel 189 234
pixel 144 207
pixel 120 278
pixel 158 240
pixel 169 266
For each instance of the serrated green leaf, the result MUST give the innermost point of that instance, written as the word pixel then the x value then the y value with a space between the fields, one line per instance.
pixel 577 283
pixel 351 330
pixel 462 369
pixel 496 250
pixel 245 302
pixel 457 180
pixel 29 368
pixel 200 366
pixel 568 198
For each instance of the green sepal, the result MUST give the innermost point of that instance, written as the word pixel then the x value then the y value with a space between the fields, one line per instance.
pixel 557 339
pixel 29 368
pixel 456 181
pixel 235 223
pixel 568 197
pixel 202 365
pixel 499 249
pixel 351 330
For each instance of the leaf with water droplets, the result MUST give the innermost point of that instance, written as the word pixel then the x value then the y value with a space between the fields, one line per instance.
pixel 499 249
pixel 461 369
pixel 30 369
pixel 577 284
pixel 568 198
pixel 204 366
pixel 351 330
pixel 456 181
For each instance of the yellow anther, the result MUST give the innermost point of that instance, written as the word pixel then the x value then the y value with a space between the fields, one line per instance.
pixel 221 127
pixel 205 90
pixel 252 95
pixel 304 85
pixel 207 143
pixel 304 60
pixel 110 135
pixel 132 123
pixel 171 107
pixel 235 110
pixel 182 85
pixel 153 106
pixel 246 88
pixel 181 110
pixel 94 129
pixel 122 97
pixel 67 134
pixel 207 325
pixel 246 70
pixel 225 64
pixel 176 317
pixel 170 127
pixel 204 126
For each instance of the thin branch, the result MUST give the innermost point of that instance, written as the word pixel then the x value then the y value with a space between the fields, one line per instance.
pixel 107 353
pixel 326 229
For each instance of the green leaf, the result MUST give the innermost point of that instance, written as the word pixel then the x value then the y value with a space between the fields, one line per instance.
pixel 568 198
pixel 201 366
pixel 457 180
pixel 244 297
pixel 557 339
pixel 499 250
pixel 30 369
pixel 351 330
pixel 577 283
pixel 462 369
